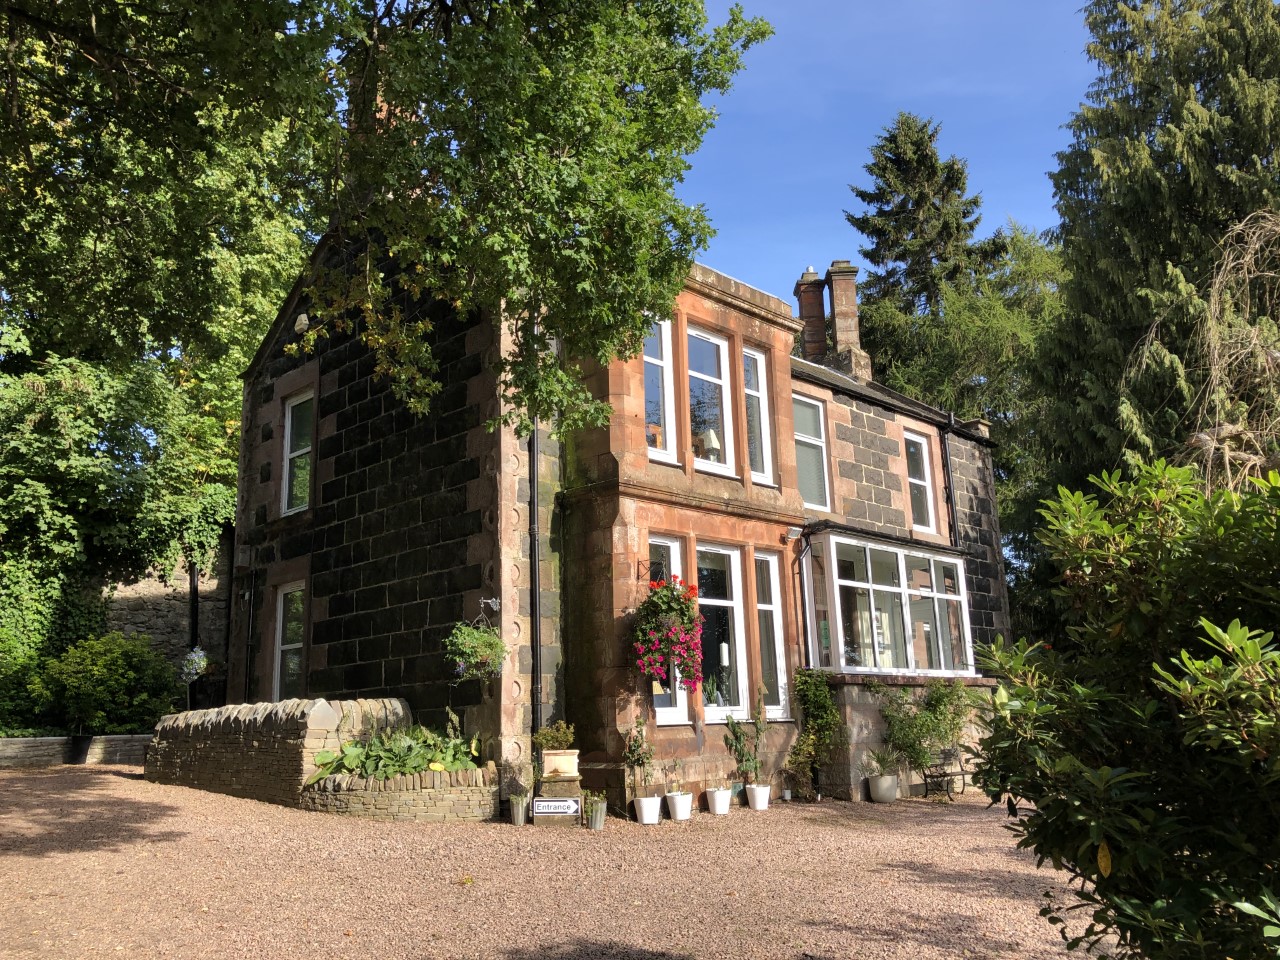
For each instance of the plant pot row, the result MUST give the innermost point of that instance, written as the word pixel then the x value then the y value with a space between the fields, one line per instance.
pixel 680 805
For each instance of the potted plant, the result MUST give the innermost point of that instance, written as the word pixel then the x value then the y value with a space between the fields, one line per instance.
pixel 744 744
pixel 718 797
pixel 594 807
pixel 668 634
pixel 881 770
pixel 637 754
pixel 476 650
pixel 558 760
pixel 679 802
pixel 519 795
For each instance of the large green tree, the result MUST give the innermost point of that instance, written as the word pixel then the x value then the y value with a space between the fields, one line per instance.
pixel 1177 143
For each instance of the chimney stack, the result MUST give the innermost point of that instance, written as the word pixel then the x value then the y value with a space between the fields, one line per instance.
pixel 841 280
pixel 808 294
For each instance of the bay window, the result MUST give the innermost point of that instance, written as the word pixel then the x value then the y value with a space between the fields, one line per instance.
pixel 896 610
pixel 659 394
pixel 710 413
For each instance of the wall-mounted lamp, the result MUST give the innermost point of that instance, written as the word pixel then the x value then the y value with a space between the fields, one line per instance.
pixel 793 533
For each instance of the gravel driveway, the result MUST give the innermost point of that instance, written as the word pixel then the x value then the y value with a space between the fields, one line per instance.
pixel 96 862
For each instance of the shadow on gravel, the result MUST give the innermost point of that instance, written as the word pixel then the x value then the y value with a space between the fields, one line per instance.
pixel 944 931
pixel 992 883
pixel 592 950
pixel 75 809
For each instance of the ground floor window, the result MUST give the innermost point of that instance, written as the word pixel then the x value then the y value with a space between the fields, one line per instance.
pixel 880 608
pixel 724 655
pixel 290 628
pixel 670 702
pixel 773 661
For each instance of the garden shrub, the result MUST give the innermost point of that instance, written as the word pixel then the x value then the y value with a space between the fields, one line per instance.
pixel 404 750
pixel 108 684
pixel 1146 733
pixel 820 731
pixel 917 728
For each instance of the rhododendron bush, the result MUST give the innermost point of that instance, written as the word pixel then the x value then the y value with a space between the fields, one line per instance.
pixel 668 634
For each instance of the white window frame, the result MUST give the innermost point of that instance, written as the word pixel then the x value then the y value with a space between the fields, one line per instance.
pixel 712 713
pixel 280 646
pixel 728 468
pixel 783 710
pixel 765 477
pixel 678 713
pixel 287 458
pixel 821 443
pixel 667 453
pixel 836 607
pixel 926 481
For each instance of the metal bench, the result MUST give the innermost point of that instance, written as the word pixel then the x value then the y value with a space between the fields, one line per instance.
pixel 947 768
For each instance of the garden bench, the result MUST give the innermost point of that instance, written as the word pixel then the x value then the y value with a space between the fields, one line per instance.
pixel 946 768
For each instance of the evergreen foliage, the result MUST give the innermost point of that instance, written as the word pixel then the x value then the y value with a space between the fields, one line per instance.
pixel 1176 143
pixel 1144 734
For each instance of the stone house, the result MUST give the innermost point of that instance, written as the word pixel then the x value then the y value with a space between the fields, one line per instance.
pixel 827 521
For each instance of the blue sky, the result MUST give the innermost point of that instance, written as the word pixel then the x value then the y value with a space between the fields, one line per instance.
pixel 1002 77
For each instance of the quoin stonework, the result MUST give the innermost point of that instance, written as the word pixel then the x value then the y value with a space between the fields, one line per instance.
pixel 827 521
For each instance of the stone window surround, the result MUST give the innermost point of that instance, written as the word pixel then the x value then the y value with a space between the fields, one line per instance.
pixel 288 387
pixel 931 499
pixel 278 577
pixel 693 708
pixel 829 539
pixel 679 325
pixel 821 441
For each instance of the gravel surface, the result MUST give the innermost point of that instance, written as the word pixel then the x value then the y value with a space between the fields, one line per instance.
pixel 96 862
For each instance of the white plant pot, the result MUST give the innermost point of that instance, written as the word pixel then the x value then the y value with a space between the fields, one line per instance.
pixel 559 763
pixel 718 801
pixel 648 810
pixel 758 796
pixel 679 805
pixel 883 789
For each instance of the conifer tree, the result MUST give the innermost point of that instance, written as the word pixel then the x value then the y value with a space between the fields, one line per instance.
pixel 1177 142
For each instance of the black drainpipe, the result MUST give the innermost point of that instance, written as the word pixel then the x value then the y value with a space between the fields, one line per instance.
pixel 535 588
pixel 945 433
pixel 193 603
pixel 248 645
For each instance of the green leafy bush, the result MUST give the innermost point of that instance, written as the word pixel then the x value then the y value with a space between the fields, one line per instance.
pixel 1145 735
pixel 744 743
pixel 916 728
pixel 820 730
pixel 108 684
pixel 392 753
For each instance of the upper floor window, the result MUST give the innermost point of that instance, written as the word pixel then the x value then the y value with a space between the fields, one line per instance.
pixel 290 627
pixel 659 394
pixel 755 386
pixel 299 421
pixel 710 417
pixel 919 482
pixel 811 452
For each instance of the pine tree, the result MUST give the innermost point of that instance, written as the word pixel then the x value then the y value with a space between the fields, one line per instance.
pixel 919 222
pixel 1177 142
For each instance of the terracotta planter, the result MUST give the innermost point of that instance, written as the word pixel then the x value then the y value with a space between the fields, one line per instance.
pixel 559 763
pixel 718 801
pixel 758 796
pixel 883 789
pixel 648 810
pixel 680 805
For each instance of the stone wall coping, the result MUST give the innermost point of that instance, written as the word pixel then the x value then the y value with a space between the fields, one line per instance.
pixel 289 715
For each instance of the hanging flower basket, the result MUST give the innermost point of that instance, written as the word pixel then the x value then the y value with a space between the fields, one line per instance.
pixel 668 634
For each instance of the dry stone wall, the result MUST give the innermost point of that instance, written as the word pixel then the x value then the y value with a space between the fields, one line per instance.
pixel 53 751
pixel 429 796
pixel 261 751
